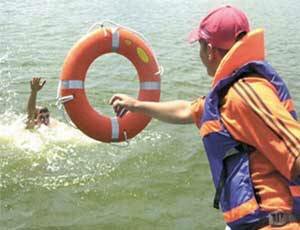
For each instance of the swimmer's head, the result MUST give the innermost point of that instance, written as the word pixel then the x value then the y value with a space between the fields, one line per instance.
pixel 42 116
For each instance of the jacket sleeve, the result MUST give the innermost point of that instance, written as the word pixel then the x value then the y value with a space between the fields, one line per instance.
pixel 197 108
pixel 253 114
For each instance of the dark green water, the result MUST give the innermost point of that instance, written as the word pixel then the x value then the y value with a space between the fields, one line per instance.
pixel 60 179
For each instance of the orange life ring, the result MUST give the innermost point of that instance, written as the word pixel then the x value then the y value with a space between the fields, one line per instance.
pixel 84 52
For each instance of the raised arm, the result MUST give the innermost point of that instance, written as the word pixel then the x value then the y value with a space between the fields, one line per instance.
pixel 35 84
pixel 176 112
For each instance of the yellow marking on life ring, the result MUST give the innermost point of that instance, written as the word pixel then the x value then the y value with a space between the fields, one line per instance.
pixel 128 42
pixel 142 55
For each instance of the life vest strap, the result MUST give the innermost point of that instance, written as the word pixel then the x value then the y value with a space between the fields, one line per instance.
pixel 242 148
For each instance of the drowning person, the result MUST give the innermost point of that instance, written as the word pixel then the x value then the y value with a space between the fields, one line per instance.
pixel 37 115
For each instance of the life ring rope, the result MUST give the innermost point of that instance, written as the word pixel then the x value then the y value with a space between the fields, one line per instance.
pixel 115 39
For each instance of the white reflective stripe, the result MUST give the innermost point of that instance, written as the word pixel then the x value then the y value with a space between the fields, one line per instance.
pixel 150 85
pixel 72 84
pixel 115 40
pixel 114 129
pixel 58 90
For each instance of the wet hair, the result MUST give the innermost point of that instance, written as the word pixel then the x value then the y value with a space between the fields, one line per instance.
pixel 40 109
pixel 43 110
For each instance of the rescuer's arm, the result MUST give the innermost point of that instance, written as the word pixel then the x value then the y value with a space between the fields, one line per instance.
pixel 176 112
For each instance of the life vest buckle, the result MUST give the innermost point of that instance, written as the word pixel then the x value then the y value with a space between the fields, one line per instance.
pixel 278 219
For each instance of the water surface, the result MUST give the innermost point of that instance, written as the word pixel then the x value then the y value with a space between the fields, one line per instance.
pixel 61 179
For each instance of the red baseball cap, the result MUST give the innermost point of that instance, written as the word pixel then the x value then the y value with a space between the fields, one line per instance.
pixel 221 27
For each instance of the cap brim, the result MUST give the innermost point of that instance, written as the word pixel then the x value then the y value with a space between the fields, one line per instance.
pixel 193 36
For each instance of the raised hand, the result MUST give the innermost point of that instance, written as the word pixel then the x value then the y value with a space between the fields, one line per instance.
pixel 37 84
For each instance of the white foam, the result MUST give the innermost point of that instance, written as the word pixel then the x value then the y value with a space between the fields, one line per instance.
pixel 13 133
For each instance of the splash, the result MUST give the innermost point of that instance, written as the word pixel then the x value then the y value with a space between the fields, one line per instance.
pixel 50 158
pixel 13 133
pixel 61 156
